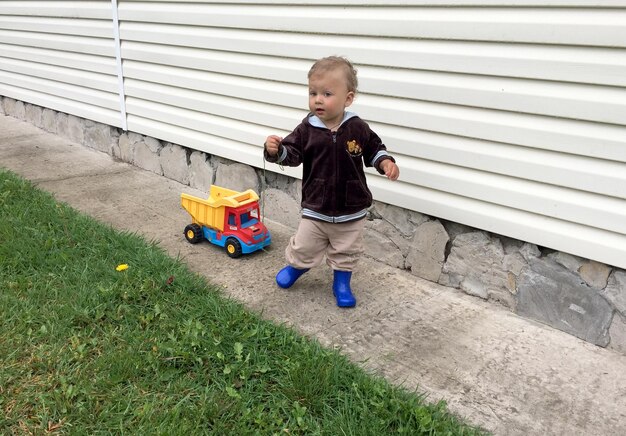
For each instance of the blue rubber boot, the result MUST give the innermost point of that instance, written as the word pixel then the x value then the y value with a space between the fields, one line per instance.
pixel 287 276
pixel 341 289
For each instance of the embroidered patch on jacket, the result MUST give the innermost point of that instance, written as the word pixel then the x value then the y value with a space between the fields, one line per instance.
pixel 354 148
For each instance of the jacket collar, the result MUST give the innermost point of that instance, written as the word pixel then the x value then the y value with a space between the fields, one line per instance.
pixel 316 122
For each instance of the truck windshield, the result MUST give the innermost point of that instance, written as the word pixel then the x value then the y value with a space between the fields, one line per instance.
pixel 249 218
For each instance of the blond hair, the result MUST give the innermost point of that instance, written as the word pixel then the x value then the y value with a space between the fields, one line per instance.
pixel 333 62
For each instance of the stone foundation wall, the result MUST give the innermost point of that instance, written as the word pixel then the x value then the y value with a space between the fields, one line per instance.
pixel 582 297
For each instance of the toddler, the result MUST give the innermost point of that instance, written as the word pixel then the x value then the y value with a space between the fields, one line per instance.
pixel 333 145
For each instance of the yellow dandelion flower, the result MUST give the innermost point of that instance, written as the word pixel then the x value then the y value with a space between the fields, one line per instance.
pixel 121 267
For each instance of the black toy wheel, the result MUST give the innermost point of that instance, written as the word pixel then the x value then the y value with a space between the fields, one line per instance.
pixel 233 247
pixel 193 233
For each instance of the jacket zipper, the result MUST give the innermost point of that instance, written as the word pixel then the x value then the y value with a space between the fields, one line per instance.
pixel 336 171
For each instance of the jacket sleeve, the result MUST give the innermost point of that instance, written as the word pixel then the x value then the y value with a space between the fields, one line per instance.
pixel 290 150
pixel 375 152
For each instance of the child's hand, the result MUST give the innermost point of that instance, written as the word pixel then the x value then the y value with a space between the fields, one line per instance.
pixel 271 144
pixel 391 169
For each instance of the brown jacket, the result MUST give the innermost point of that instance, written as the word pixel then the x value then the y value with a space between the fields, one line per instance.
pixel 334 188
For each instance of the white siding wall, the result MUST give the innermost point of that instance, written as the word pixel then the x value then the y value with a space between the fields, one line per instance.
pixel 509 116
pixel 61 55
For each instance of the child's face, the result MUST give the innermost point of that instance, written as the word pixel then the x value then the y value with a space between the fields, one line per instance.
pixel 329 96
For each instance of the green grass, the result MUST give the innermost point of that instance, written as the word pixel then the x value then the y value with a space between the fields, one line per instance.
pixel 85 349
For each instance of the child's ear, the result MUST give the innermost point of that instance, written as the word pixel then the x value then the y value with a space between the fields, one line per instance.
pixel 349 98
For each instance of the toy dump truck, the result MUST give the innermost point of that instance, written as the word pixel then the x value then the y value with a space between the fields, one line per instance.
pixel 227 218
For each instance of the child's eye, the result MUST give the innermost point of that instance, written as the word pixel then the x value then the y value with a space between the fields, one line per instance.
pixel 312 94
pixel 328 94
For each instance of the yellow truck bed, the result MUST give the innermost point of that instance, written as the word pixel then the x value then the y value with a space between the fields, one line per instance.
pixel 210 212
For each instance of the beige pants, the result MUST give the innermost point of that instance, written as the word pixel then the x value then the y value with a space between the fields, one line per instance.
pixel 342 243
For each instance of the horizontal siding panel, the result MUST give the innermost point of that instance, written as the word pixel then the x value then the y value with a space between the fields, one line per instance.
pixel 235 130
pixel 273 93
pixel 589 242
pixel 72 44
pixel 66 105
pixel 62 90
pixel 566 204
pixel 584 102
pixel 549 167
pixel 86 79
pixel 567 136
pixel 247 111
pixel 76 61
pixel 246 65
pixel 79 27
pixel 601 27
pixel 569 64
pixel 66 9
pixel 594 103
pixel 61 55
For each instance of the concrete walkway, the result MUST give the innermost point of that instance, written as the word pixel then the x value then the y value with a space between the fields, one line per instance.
pixel 510 375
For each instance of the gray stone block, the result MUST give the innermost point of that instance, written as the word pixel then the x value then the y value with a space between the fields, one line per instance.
pixel 380 247
pixel 134 137
pixel 473 286
pixel 296 190
pixel 279 206
pixel 455 229
pixel 76 129
pixel 49 120
pixel 144 156
pixel 124 148
pixel 450 279
pixel 595 274
pixel 98 136
pixel 277 181
pixel 615 291
pixel 529 251
pixel 286 184
pixel 200 171
pixel 618 335
pixel 552 294
pixel 427 251
pixel 406 221
pixel 154 145
pixel 514 263
pixel 510 245
pixel 173 159
pixel 572 263
pixel 505 298
pixel 9 106
pixel 390 232
pixel 17 110
pixel 476 258
pixel 63 129
pixel 33 114
pixel 236 176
